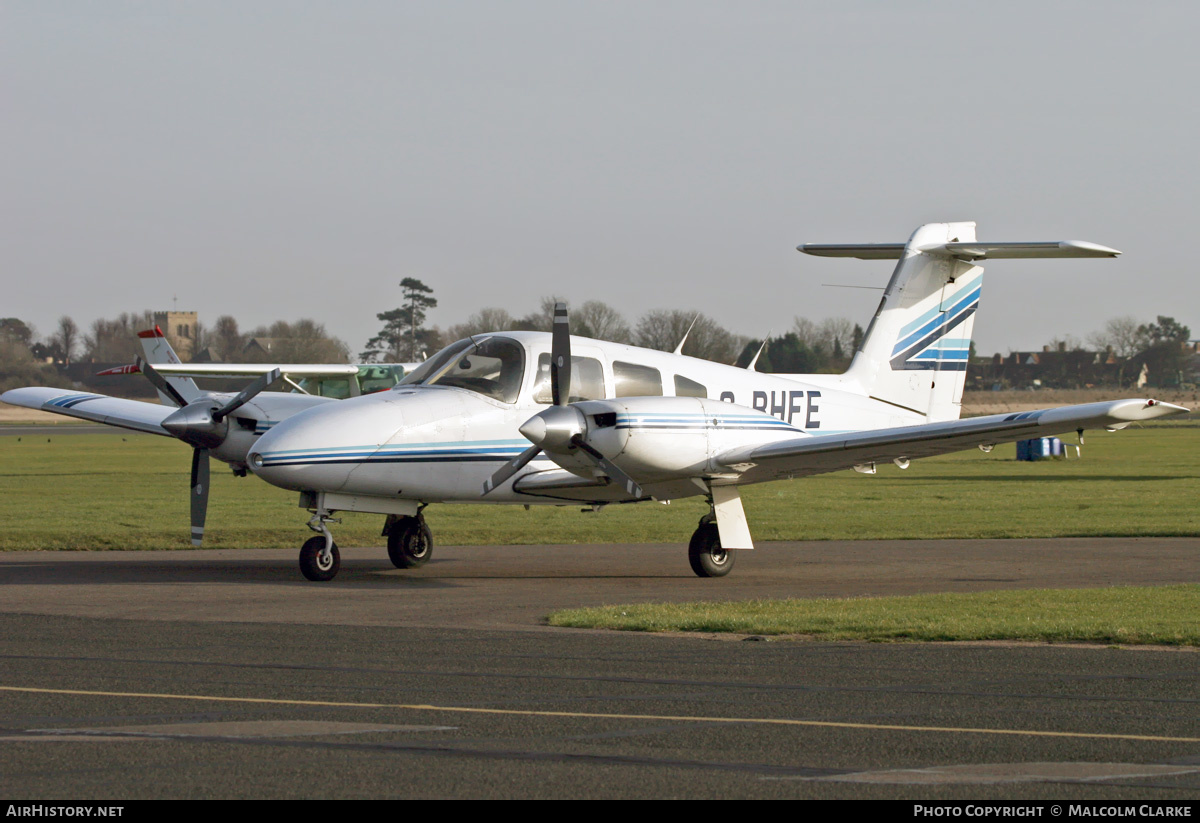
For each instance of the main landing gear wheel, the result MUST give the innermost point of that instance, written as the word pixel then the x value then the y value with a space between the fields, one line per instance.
pixel 410 543
pixel 705 554
pixel 315 564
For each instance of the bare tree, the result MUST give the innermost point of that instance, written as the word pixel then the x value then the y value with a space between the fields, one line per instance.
pixel 600 321
pixel 1120 334
pixel 663 329
pixel 807 332
pixel 115 340
pixel 543 319
pixel 304 341
pixel 17 331
pixel 227 339
pixel 65 341
pixel 484 320
pixel 836 334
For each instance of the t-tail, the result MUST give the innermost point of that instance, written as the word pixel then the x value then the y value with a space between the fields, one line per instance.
pixel 915 351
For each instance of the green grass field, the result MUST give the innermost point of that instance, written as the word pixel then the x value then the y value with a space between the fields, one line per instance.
pixel 1126 615
pixel 130 492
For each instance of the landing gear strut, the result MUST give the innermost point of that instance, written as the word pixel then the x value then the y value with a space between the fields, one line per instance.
pixel 319 556
pixel 705 554
pixel 409 542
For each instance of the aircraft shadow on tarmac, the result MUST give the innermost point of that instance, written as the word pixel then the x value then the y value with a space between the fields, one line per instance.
pixel 356 572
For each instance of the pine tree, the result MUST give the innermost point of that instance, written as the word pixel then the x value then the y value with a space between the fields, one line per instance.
pixel 402 333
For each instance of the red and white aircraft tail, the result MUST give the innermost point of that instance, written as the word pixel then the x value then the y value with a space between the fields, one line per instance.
pixel 157 351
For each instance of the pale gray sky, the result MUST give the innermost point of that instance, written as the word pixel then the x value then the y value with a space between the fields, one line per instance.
pixel 275 160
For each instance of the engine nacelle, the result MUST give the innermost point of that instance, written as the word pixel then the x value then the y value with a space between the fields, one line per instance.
pixel 659 438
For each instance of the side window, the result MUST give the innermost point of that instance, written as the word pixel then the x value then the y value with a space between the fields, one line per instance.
pixel 587 380
pixel 375 378
pixel 688 388
pixel 634 380
pixel 338 387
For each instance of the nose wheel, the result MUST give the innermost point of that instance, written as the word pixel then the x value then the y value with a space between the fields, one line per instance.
pixel 319 556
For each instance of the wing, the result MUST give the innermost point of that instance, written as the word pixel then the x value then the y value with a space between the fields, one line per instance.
pixel 255 369
pixel 826 453
pixel 115 411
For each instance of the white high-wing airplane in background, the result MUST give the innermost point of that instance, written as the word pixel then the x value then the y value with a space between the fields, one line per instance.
pixel 334 380
pixel 202 418
pixel 610 423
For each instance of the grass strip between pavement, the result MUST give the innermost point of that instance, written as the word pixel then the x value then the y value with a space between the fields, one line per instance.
pixel 1126 615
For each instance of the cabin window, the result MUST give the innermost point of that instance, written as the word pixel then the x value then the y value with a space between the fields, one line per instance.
pixel 634 380
pixel 689 388
pixel 587 380
pixel 436 363
pixel 492 367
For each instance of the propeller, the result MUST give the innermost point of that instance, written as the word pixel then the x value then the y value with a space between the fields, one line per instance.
pixel 560 357
pixel 562 427
pixel 199 494
pixel 160 382
pixel 202 425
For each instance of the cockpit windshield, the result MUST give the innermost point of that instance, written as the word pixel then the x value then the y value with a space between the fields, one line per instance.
pixel 491 366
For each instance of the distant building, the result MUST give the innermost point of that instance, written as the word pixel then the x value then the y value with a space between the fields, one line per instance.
pixel 180 329
pixel 259 348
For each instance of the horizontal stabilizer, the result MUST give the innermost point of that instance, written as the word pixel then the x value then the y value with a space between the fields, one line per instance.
pixel 1017 251
pixel 863 251
pixel 964 251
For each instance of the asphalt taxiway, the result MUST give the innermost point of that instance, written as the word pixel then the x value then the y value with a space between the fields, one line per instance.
pixel 225 674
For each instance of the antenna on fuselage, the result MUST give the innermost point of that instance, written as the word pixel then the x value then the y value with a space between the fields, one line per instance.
pixel 679 348
pixel 750 367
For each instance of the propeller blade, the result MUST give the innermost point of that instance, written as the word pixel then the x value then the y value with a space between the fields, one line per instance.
pixel 510 468
pixel 560 357
pixel 246 394
pixel 160 383
pixel 610 468
pixel 199 494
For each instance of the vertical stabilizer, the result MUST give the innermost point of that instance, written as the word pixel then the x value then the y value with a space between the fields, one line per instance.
pixel 158 350
pixel 915 351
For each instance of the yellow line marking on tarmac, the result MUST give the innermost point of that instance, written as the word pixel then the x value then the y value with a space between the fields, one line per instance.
pixel 759 721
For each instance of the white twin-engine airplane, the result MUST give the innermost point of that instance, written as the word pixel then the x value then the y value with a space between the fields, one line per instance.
pixel 610 423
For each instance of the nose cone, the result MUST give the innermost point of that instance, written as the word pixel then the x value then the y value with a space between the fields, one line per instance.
pixel 534 430
pixel 313 450
pixel 553 428
pixel 194 425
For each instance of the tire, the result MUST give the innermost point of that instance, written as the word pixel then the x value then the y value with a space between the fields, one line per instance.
pixel 310 560
pixel 705 554
pixel 410 543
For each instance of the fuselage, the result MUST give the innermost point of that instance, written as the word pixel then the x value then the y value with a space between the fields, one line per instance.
pixel 440 434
